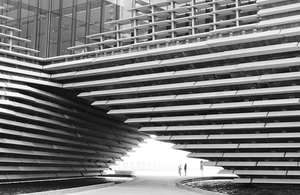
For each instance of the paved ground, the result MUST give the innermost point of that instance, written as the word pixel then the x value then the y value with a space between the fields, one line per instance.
pixel 144 185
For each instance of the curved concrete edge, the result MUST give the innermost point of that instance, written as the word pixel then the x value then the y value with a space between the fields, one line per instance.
pixel 197 190
pixel 73 190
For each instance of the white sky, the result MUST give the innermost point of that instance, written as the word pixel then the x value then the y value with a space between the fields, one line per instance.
pixel 156 151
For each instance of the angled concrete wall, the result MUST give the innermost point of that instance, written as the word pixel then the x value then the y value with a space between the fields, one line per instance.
pixel 225 89
pixel 221 81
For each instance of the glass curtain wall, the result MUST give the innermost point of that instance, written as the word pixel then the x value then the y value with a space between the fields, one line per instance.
pixel 54 25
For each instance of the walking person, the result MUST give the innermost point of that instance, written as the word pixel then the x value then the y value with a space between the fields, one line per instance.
pixel 201 168
pixel 185 167
pixel 179 170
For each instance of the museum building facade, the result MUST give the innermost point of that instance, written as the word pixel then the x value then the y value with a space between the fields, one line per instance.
pixel 84 82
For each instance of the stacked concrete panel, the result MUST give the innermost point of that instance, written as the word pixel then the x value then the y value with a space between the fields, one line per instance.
pixel 217 78
pixel 45 131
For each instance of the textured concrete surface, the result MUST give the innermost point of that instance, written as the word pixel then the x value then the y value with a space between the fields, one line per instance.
pixel 144 185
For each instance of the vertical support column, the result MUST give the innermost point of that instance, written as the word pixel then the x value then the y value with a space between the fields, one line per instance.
pixel 193 19
pixel 153 20
pixel 118 34
pixel 214 14
pixel 18 17
pixel 172 18
pixel 88 19
pixel 135 23
pixel 73 25
pixel 10 40
pixel 59 30
pixel 49 29
pixel 102 16
pixel 37 41
pixel 101 40
pixel 237 13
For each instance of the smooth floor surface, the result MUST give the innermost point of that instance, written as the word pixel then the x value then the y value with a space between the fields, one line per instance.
pixel 144 185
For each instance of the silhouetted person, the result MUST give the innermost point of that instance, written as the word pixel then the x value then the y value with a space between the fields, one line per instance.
pixel 201 167
pixel 185 167
pixel 179 170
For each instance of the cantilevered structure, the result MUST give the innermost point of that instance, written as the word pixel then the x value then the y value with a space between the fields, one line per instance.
pixel 219 78
pixel 46 132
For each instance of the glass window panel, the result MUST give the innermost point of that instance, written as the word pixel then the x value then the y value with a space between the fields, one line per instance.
pixel 95 12
pixel 124 6
pixel 118 11
pixel 42 33
pixel 50 24
pixel 95 17
pixel 56 4
pixel 44 4
pixel 66 35
pixel 53 35
pixel 66 4
pixel 11 9
pixel 28 23
pixel 110 14
pixel 80 25
pixel 66 27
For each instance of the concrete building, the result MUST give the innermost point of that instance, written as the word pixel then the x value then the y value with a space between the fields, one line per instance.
pixel 219 78
pixel 46 131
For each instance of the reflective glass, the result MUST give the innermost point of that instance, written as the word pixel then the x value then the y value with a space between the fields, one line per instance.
pixel 80 22
pixel 54 25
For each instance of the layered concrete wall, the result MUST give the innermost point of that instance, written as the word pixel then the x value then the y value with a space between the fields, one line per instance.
pixel 224 88
pixel 46 132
